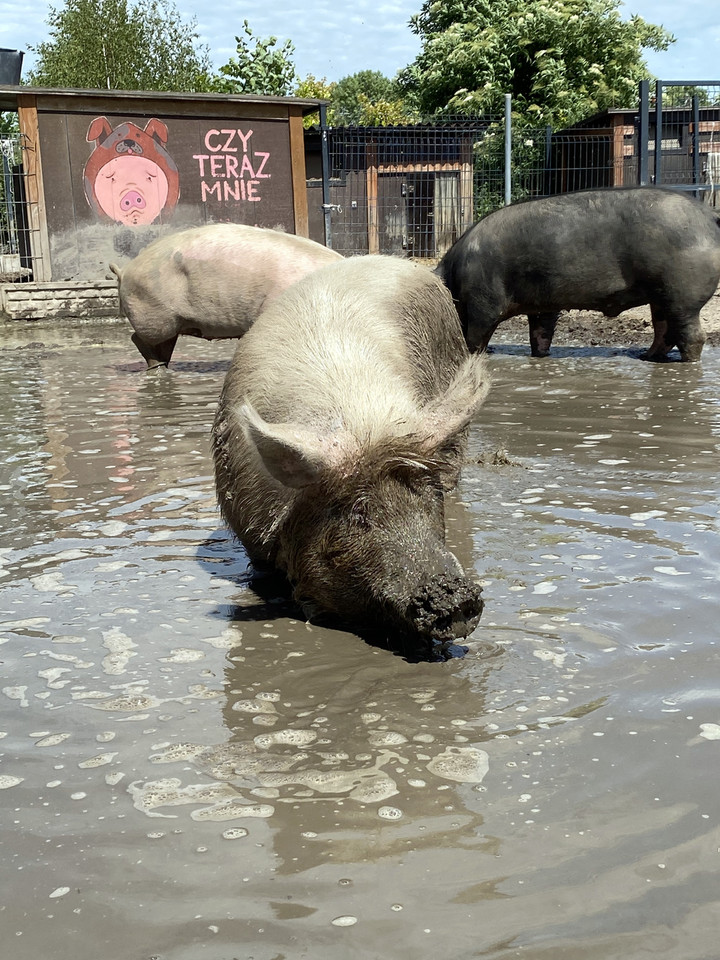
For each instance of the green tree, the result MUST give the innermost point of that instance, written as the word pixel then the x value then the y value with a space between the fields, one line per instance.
pixel 315 89
pixel 9 126
pixel 121 45
pixel 560 59
pixel 260 67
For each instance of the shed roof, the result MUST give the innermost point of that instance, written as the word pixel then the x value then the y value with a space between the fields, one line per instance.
pixel 9 96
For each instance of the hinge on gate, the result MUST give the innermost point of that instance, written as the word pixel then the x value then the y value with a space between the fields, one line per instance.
pixel 331 206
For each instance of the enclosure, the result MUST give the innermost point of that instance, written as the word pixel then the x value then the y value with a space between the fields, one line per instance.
pixel 412 190
pixel 189 769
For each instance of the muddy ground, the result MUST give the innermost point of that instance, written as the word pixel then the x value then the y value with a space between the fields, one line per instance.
pixel 590 328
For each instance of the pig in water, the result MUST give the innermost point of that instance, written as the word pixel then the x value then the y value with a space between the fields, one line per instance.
pixel 341 422
pixel 210 282
pixel 604 250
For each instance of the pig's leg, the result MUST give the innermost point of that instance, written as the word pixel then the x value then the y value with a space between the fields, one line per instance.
pixel 661 344
pixel 542 330
pixel 155 354
pixel 690 337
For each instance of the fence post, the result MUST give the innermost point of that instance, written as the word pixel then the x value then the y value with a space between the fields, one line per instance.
pixel 325 161
pixel 508 150
pixel 696 142
pixel 658 132
pixel 643 134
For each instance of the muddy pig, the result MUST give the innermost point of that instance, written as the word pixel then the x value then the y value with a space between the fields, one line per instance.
pixel 341 423
pixel 605 250
pixel 210 282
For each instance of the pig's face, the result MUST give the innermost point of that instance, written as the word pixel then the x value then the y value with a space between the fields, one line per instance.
pixel 376 554
pixel 365 535
pixel 131 190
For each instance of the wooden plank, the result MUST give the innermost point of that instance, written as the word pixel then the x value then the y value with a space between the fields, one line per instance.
pixel 419 167
pixel 147 107
pixel 618 152
pixel 371 179
pixel 298 174
pixel 34 188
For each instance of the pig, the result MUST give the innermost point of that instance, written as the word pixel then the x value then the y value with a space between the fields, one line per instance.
pixel 607 250
pixel 211 281
pixel 341 424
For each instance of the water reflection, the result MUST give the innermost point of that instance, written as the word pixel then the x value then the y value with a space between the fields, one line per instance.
pixel 189 768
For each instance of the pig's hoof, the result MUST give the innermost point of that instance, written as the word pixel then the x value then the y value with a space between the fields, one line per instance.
pixel 447 608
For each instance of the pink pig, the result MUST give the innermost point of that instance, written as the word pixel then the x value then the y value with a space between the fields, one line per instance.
pixel 130 178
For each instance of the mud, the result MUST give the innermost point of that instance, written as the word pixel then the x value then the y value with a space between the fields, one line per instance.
pixel 190 770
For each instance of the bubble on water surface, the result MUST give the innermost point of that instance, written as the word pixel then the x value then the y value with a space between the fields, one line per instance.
pixel 672 571
pixel 170 793
pixel 296 738
pixel 462 764
pixel 234 833
pixel 176 752
pixel 386 738
pixel 254 706
pixel 345 921
pixel 233 810
pixel 710 731
pixel 52 740
pixel 100 760
pixel 119 647
pixel 7 781
pixel 127 703
pixel 390 813
pixel 59 892
pixel 374 790
pixel 183 655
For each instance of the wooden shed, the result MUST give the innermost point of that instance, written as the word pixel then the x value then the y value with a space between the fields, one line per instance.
pixel 102 173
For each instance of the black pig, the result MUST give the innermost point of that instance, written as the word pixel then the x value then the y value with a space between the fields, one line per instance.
pixel 605 250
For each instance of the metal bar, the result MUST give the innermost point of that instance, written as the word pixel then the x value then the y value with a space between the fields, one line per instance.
pixel 643 134
pixel 658 132
pixel 696 141
pixel 508 150
pixel 325 161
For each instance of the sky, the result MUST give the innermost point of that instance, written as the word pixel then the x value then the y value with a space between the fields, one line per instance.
pixel 334 38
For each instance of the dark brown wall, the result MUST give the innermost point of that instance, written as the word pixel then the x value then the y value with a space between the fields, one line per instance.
pixel 223 168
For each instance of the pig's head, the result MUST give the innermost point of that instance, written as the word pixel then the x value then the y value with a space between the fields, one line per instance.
pixel 364 538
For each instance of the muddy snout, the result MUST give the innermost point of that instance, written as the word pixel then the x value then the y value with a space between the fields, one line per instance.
pixel 446 607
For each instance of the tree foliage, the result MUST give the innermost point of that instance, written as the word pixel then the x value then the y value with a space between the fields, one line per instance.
pixel 260 67
pixel 559 59
pixel 121 45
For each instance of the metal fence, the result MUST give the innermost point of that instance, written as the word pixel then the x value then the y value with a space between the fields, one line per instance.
pixel 16 261
pixel 412 190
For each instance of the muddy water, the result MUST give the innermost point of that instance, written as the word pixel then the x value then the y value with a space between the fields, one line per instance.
pixel 189 770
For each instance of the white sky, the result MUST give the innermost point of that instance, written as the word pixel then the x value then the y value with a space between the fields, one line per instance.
pixel 334 38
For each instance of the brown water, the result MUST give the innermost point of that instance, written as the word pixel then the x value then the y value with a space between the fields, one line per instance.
pixel 191 771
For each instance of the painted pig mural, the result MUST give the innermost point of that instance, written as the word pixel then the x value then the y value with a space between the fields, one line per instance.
pixel 605 250
pixel 210 282
pixel 130 178
pixel 341 423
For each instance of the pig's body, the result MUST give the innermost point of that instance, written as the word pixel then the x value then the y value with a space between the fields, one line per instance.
pixel 341 422
pixel 210 282
pixel 606 250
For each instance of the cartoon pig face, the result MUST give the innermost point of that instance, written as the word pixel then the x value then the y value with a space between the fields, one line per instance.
pixel 130 178
pixel 131 190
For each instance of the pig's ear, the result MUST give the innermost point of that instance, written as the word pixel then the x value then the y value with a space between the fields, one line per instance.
pixel 445 417
pixel 291 454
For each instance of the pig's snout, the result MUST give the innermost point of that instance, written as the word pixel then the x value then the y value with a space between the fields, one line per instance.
pixel 132 201
pixel 446 608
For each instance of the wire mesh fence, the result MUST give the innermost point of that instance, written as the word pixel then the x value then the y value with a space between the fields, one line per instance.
pixel 16 262
pixel 413 190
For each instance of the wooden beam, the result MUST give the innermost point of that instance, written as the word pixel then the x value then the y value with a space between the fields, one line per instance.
pixel 298 173
pixel 34 188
